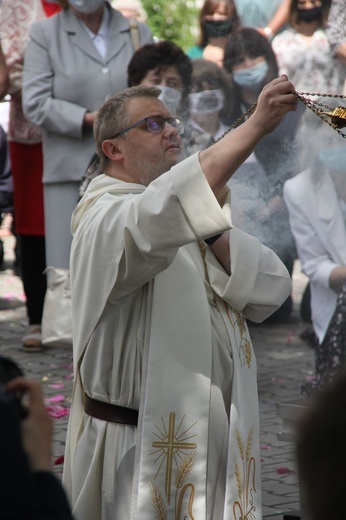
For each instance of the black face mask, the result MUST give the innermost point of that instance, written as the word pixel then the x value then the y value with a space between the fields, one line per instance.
pixel 218 28
pixel 310 15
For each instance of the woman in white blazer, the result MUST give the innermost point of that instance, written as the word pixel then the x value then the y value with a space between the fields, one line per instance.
pixel 74 61
pixel 316 201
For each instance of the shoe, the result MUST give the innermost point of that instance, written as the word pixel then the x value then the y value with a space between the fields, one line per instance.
pixel 32 340
pixel 308 335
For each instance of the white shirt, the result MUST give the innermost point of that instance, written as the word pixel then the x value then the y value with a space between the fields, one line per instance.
pixel 100 39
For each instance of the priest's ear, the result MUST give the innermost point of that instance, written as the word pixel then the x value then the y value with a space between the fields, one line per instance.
pixel 111 150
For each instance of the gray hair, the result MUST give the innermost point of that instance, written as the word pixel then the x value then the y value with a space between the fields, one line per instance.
pixel 112 117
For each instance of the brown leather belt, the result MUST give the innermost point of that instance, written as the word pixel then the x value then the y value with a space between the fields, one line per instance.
pixel 110 412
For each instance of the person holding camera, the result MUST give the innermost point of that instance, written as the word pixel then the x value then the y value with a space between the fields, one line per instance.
pixel 28 488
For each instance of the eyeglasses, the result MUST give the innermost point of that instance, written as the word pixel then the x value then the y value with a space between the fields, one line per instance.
pixel 155 125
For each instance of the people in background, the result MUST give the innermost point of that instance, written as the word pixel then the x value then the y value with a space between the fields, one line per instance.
pixel 303 51
pixel 316 201
pixel 73 62
pixel 250 60
pixel 163 64
pixel 217 19
pixel 25 145
pixel 210 104
pixel 336 32
pixel 4 86
pixel 4 77
pixel 6 186
pixel 267 16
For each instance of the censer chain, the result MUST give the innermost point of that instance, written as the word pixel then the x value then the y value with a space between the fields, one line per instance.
pixel 312 105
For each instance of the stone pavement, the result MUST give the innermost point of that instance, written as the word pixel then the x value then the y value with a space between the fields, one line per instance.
pixel 284 361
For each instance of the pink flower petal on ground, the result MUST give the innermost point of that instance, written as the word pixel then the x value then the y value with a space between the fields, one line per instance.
pixel 278 380
pixel 59 460
pixel 290 336
pixel 69 366
pixel 266 447
pixel 56 399
pixel 58 386
pixel 9 296
pixel 58 411
pixel 284 471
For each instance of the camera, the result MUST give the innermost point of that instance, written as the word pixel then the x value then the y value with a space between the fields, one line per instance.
pixel 9 370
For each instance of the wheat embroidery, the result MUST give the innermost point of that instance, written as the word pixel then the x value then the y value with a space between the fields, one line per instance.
pixel 158 502
pixel 245 474
pixel 242 341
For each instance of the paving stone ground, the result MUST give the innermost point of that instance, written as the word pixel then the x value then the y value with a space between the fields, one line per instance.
pixel 284 361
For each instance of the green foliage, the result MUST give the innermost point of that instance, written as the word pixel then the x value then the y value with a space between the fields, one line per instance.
pixel 174 20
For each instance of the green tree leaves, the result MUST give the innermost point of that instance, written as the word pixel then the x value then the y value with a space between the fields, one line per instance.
pixel 174 20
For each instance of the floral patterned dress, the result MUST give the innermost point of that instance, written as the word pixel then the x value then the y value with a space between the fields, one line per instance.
pixel 308 62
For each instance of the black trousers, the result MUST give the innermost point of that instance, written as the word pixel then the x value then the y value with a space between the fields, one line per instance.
pixel 32 263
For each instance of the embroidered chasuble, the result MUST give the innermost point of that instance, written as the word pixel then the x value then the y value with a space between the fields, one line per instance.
pixel 159 326
pixel 179 442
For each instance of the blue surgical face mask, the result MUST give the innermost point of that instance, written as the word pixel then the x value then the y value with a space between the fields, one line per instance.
pixel 171 97
pixel 253 77
pixel 86 6
pixel 334 158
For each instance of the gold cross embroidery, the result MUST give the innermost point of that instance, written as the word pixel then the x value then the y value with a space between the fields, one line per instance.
pixel 169 445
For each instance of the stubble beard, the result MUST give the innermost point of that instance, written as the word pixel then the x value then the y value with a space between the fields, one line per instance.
pixel 146 173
